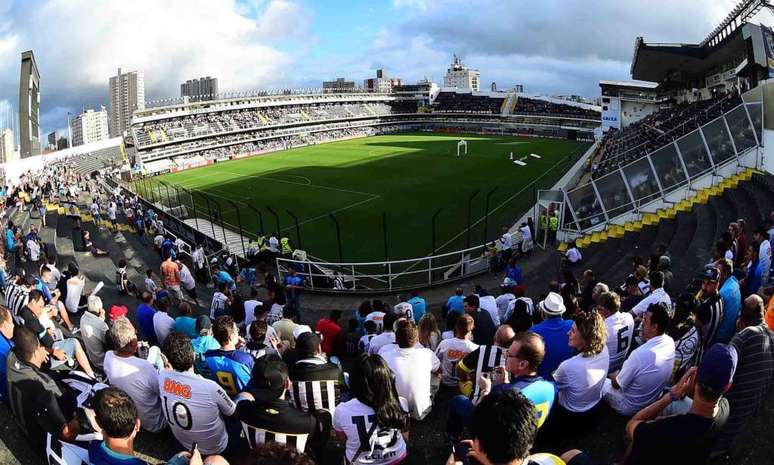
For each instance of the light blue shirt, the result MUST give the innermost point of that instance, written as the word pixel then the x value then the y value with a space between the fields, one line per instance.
pixel 419 307
pixel 456 303
pixel 732 305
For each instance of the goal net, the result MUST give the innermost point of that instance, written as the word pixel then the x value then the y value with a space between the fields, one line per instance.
pixel 462 148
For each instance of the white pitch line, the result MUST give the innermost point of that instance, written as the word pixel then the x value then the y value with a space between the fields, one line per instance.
pixel 309 220
pixel 480 219
pixel 332 212
pixel 502 204
pixel 317 186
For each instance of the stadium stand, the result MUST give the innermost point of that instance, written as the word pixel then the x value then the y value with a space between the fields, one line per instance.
pixel 618 148
pixel 690 319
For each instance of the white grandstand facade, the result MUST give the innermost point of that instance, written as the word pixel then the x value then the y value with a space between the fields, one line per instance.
pixel 190 134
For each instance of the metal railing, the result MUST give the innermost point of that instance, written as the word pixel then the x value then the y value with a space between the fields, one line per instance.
pixel 720 142
pixel 396 274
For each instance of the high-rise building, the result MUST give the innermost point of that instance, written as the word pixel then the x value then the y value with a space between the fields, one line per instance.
pixel 127 95
pixel 461 77
pixel 7 150
pixel 29 106
pixel 339 86
pixel 381 83
pixel 51 140
pixel 90 126
pixel 205 88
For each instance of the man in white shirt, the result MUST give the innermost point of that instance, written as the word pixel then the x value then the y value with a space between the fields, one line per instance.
pixel 387 336
pixel 488 303
pixel 573 255
pixel 657 294
pixel 647 370
pixel 136 376
pixel 503 301
pixel 620 328
pixel 163 324
pixel 250 306
pixel 451 351
pixel 187 280
pixel 764 254
pixel 93 331
pixel 195 407
pixel 33 250
pixel 413 368
pixel 220 300
pixel 505 244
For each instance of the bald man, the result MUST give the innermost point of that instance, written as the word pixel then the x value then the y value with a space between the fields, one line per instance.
pixel 754 345
pixel 483 360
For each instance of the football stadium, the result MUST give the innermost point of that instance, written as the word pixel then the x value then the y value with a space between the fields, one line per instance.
pixel 385 271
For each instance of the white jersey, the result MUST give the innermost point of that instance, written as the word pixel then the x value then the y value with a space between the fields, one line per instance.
pixel 367 443
pixel 450 352
pixel 195 407
pixel 656 296
pixel 380 341
pixel 218 306
pixel 378 319
pixel 620 329
pixel 764 255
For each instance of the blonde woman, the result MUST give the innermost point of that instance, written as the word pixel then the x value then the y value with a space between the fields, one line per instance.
pixel 429 335
pixel 580 379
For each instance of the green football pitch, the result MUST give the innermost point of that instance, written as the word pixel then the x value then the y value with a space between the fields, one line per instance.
pixel 404 178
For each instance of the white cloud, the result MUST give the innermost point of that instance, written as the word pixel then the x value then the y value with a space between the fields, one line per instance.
pixel 79 44
pixel 560 46
pixel 413 4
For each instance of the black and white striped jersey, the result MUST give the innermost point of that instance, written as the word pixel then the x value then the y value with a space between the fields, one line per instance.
pixel 315 385
pixel 16 297
pixel 276 421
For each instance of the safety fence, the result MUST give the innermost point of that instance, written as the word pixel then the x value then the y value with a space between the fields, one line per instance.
pixel 719 142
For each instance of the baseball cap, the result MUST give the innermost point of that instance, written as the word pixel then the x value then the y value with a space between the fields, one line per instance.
pixel 717 367
pixel 710 273
pixel 117 311
pixel 268 378
pixel 203 322
pixel 301 329
pixel 307 344
pixel 402 308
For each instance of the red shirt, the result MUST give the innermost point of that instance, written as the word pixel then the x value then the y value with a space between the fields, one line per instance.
pixel 331 333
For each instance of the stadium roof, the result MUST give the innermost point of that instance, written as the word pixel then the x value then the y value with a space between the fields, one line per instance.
pixel 631 84
pixel 659 62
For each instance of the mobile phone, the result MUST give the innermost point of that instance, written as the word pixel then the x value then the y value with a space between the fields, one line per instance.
pixel 193 447
pixel 460 450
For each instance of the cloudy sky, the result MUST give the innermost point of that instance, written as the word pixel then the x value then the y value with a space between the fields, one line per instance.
pixel 551 46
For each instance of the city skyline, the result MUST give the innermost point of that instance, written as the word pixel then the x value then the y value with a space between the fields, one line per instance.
pixel 273 44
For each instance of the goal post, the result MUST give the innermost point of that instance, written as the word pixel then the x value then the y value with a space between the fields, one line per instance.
pixel 462 145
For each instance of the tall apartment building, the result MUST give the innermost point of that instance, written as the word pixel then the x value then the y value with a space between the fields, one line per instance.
pixel 381 84
pixel 90 126
pixel 7 149
pixel 126 95
pixel 205 88
pixel 29 106
pixel 338 86
pixel 461 77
